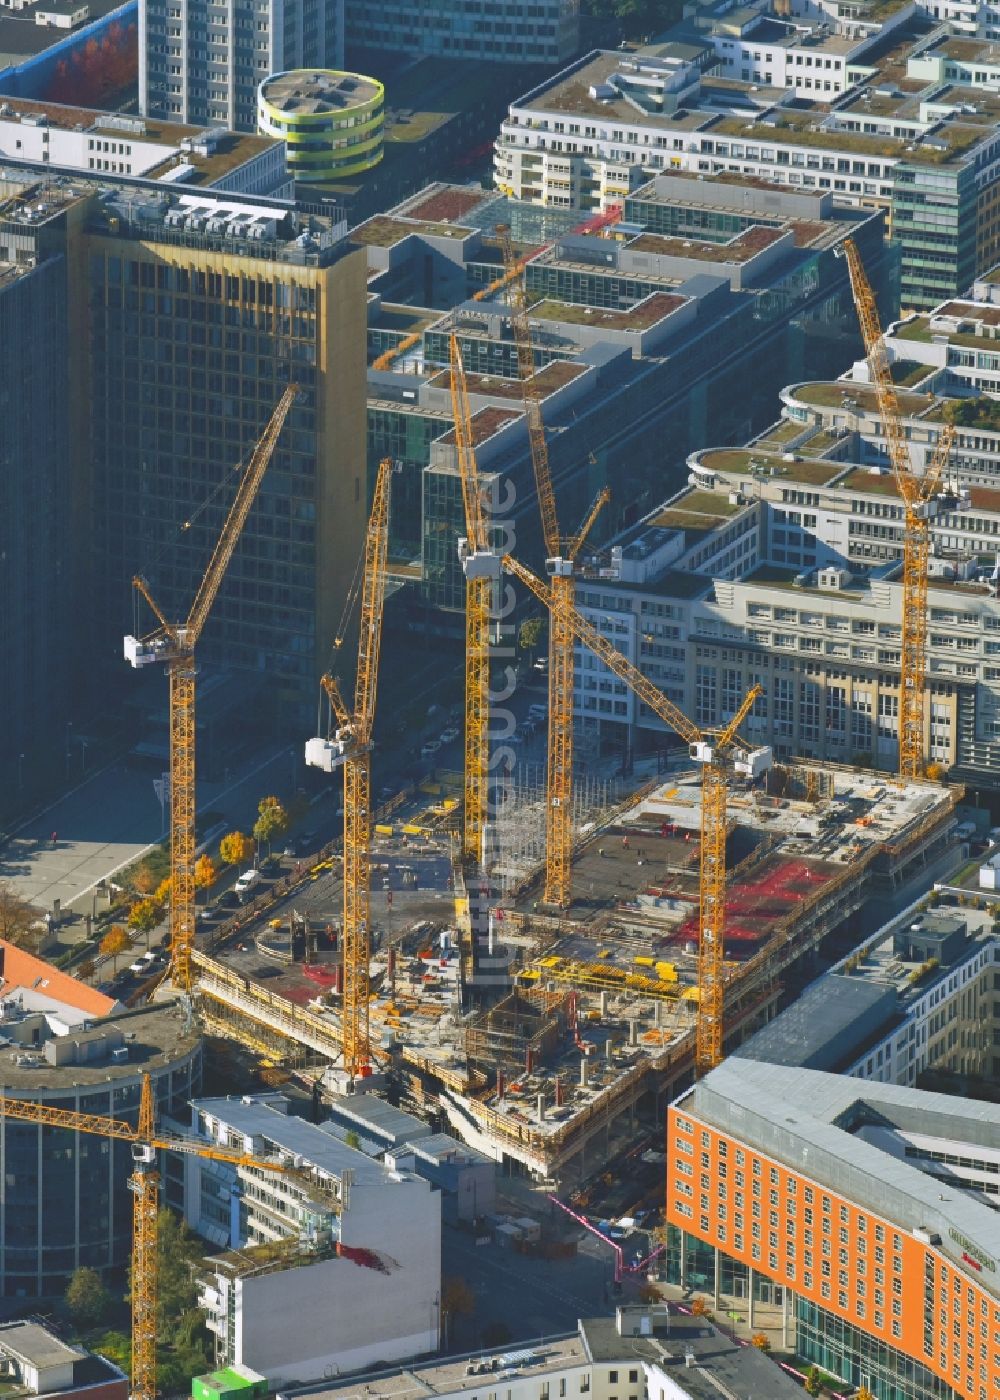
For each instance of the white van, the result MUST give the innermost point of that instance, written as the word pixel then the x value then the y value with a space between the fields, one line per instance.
pixel 246 882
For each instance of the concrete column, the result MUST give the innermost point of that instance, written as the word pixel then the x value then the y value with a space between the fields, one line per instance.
pixel 784 1319
pixel 609 1049
pixel 657 1011
pixel 751 1283
pixel 633 1032
pixel 604 1005
pixel 583 1070
pixel 541 1108
pixel 717 1279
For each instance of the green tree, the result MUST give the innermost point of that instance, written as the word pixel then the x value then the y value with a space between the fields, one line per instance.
pixel 529 634
pixel 179 1253
pixel 272 821
pixel 352 1140
pixel 235 848
pixel 814 1381
pixel 87 1299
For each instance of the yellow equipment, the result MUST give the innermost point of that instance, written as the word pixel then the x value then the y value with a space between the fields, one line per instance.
pixel 174 644
pixel 481 567
pixel 717 752
pixel 144 1184
pixel 919 508
pixel 560 565
pixel 350 748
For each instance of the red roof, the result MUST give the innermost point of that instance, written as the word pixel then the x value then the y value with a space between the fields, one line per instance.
pixel 22 971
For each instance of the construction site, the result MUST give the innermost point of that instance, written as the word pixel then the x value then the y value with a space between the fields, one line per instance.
pixel 596 956
pixel 585 1027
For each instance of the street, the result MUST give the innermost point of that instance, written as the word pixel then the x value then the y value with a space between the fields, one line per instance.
pixel 109 820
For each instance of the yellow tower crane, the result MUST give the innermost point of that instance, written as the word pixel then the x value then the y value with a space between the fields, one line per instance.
pixel 919 509
pixel 560 564
pixel 174 644
pixel 719 752
pixel 144 1184
pixel 481 566
pixel 350 748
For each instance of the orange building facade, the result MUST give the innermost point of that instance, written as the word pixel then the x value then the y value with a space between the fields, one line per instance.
pixel 884 1278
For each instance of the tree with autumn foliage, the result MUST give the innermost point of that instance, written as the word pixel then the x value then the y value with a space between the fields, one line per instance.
pixel 204 872
pixel 115 942
pixel 235 849
pixel 144 915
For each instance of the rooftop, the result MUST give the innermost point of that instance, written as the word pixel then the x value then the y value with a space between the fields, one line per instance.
pixel 22 971
pixel 315 1144
pixel 21 35
pixel 639 317
pixel 232 149
pixel 161 1036
pixel 36 1345
pixel 810 1121
pixel 546 380
pixel 314 91
pixel 385 232
pixel 746 461
pixel 484 424
pixel 741 248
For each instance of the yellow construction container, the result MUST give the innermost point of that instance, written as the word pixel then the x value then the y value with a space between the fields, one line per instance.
pixel 666 972
pixel 530 974
pixel 643 961
pixel 381 830
pixel 691 994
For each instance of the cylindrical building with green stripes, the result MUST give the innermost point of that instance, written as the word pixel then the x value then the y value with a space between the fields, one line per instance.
pixel 331 122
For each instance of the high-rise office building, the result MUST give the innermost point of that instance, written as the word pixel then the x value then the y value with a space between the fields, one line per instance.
pixel 511 31
pixel 201 62
pixel 189 315
pixel 35 569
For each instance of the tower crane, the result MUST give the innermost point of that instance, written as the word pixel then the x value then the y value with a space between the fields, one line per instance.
pixel 174 644
pixel 144 1184
pixel 560 564
pixel 350 749
pixel 719 753
pixel 481 567
pixel 920 506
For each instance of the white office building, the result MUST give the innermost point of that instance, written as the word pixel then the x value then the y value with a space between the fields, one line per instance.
pixel 202 63
pixel 336 1264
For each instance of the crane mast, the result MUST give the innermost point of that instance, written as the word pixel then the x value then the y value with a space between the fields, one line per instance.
pixel 174 644
pixel 560 565
pixel 919 508
pixel 144 1183
pixel 481 567
pixel 350 748
pixel 718 754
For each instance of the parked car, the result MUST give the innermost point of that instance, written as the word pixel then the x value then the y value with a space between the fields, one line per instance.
pixel 429 749
pixel 449 735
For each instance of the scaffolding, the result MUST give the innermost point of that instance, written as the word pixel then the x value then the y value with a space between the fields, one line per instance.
pixel 520 825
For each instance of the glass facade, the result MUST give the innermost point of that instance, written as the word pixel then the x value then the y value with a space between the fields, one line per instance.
pixel 820 1338
pixel 65 1201
pixel 855 1356
pixel 36 567
pixel 934 219
pixel 190 363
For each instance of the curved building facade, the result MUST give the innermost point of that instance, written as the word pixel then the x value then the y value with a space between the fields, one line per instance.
pixel 332 123
pixel 65 1200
